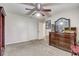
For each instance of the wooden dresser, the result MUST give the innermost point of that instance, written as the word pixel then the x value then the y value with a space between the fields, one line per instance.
pixel 62 40
pixel 2 20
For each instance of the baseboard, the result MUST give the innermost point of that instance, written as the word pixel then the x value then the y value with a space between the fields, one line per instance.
pixel 22 42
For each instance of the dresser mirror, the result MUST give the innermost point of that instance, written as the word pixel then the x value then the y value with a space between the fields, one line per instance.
pixel 61 24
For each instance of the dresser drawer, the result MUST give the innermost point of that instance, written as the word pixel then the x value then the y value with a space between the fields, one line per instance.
pixel 65 40
pixel 64 45
pixel 54 42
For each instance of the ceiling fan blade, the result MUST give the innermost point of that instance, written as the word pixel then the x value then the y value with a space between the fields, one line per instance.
pixel 31 11
pixel 42 14
pixel 28 9
pixel 47 10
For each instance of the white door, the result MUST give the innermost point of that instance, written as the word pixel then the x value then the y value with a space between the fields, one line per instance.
pixel 41 30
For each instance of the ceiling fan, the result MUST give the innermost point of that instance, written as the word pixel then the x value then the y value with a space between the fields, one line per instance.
pixel 38 8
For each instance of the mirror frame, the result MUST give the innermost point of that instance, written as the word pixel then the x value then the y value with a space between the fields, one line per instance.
pixel 61 19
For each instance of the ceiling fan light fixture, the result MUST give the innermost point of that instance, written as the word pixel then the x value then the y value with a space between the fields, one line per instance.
pixel 38 14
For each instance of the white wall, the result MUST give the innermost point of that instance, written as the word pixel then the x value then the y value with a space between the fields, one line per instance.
pixel 69 13
pixel 19 28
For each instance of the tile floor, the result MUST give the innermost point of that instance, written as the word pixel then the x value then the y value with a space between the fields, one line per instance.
pixel 34 48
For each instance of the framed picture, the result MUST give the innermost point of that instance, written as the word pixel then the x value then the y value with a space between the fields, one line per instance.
pixel 48 24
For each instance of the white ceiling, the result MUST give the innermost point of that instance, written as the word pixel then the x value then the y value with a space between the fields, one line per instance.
pixel 19 8
pixel 15 8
